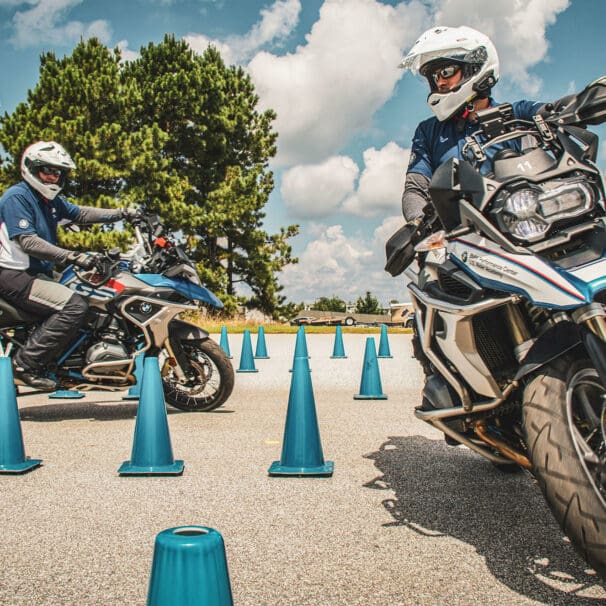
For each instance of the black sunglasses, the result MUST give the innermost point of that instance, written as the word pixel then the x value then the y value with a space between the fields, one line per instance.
pixel 445 72
pixel 51 170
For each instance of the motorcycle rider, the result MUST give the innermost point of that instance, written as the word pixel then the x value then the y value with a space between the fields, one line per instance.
pixel 29 214
pixel 461 66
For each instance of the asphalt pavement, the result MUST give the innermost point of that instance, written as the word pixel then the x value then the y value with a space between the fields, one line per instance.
pixel 404 520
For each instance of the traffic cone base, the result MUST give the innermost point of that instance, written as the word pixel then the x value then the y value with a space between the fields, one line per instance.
pixel 66 394
pixel 277 469
pixel 17 468
pixel 128 469
pixel 360 396
pixel 152 452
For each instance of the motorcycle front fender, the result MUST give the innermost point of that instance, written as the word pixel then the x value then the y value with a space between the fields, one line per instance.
pixel 180 330
pixel 551 345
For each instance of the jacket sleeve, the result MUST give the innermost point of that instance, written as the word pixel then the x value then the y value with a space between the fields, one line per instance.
pixel 36 247
pixel 90 214
pixel 415 196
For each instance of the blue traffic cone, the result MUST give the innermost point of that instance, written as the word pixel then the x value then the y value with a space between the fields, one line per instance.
pixel 338 351
pixel 300 346
pixel 247 362
pixel 189 568
pixel 134 393
pixel 384 351
pixel 261 350
pixel 224 343
pixel 152 453
pixel 370 385
pixel 12 452
pixel 301 448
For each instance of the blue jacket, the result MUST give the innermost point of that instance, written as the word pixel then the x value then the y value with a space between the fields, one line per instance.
pixel 24 211
pixel 434 142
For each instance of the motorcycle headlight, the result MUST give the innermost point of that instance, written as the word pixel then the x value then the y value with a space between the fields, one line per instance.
pixel 528 213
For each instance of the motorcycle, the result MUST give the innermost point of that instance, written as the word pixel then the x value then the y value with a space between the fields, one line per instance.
pixel 134 303
pixel 507 276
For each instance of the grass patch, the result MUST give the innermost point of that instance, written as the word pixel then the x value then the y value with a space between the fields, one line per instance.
pixel 239 326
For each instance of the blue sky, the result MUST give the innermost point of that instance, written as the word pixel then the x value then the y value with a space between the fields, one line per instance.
pixel 346 114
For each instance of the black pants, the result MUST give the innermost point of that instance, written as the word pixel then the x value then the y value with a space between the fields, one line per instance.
pixel 61 310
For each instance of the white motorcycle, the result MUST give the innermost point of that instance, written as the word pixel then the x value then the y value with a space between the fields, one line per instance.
pixel 508 281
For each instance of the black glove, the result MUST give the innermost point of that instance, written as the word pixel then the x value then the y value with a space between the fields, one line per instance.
pixel 83 260
pixel 131 214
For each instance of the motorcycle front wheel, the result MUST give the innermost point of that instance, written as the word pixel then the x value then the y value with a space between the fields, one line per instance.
pixel 210 380
pixel 565 425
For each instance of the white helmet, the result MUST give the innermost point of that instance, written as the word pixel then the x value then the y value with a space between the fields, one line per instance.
pixel 45 153
pixel 464 46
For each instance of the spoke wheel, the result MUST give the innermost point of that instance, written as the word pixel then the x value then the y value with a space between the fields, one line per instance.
pixel 209 381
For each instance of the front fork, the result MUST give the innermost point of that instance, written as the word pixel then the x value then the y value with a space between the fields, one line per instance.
pixel 590 319
pixel 593 317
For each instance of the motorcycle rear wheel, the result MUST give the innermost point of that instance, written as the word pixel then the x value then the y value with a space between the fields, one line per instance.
pixel 564 420
pixel 209 388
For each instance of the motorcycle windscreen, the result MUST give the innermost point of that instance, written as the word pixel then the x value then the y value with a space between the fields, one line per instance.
pixel 187 289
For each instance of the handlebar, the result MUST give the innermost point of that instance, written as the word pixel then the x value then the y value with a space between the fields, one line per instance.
pixel 99 274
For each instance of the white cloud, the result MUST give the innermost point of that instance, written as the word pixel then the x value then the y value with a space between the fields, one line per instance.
pixel 199 42
pixel 42 24
pixel 319 190
pixel 329 89
pixel 346 266
pixel 314 191
pixel 126 53
pixel 276 24
pixel 380 188
pixel 328 263
pixel 517 28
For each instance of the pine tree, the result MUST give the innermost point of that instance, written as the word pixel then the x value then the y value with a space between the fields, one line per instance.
pixel 222 145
